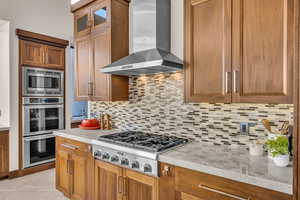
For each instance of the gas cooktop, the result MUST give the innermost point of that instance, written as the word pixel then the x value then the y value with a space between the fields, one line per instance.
pixel 144 141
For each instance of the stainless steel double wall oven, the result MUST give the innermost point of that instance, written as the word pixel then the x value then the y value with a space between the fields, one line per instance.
pixel 43 112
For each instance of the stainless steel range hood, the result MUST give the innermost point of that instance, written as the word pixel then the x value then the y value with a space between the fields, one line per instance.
pixel 151 25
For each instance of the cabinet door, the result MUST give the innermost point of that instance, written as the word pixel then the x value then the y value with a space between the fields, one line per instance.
pixel 79 173
pixel 32 53
pixel 263 51
pixel 208 50
pixel 55 57
pixel 62 171
pixel 100 14
pixel 83 66
pixel 101 83
pixel 108 182
pixel 139 186
pixel 4 156
pixel 82 22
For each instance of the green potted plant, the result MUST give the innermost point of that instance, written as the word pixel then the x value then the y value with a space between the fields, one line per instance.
pixel 279 150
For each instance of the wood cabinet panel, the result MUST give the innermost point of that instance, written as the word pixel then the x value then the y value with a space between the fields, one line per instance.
pixel 205 186
pixel 208 50
pixel 32 53
pixel 55 57
pixel 101 58
pixel 108 181
pixel 4 153
pixel 83 67
pixel 140 186
pixel 79 171
pixel 62 172
pixel 184 196
pixel 263 36
pixel 82 22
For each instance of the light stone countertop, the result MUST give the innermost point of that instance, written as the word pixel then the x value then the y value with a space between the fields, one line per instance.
pixel 235 164
pixel 85 136
pixel 4 127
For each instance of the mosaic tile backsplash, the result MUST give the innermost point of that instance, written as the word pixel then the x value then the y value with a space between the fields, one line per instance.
pixel 157 105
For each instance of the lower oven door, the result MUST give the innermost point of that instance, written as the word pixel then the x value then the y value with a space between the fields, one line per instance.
pixel 39 150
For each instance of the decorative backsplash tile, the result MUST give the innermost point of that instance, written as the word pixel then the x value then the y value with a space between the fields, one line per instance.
pixel 157 105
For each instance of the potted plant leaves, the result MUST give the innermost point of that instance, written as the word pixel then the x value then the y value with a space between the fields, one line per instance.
pixel 279 148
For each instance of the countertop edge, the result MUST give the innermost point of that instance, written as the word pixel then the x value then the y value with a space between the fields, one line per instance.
pixel 73 137
pixel 260 182
pixel 5 128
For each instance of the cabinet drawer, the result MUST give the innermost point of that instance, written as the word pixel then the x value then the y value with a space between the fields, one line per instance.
pixel 72 145
pixel 206 186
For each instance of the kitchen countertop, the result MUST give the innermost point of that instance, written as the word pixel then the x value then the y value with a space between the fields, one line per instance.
pixel 235 164
pixel 4 127
pixel 86 136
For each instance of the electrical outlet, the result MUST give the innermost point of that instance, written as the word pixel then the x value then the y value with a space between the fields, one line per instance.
pixel 244 128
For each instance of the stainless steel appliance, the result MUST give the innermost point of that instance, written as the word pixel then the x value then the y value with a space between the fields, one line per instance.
pixel 42 115
pixel 135 150
pixel 38 150
pixel 42 82
pixel 151 31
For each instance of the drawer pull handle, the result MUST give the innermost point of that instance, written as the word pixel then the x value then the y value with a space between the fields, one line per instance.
pixel 73 147
pixel 120 184
pixel 223 193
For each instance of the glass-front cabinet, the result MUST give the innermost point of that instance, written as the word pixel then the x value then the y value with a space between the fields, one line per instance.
pixel 100 17
pixel 82 21
pixel 91 19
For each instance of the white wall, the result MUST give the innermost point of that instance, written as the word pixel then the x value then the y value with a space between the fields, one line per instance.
pixel 50 17
pixel 4 72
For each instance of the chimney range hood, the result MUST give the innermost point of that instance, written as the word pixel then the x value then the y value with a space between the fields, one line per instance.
pixel 151 24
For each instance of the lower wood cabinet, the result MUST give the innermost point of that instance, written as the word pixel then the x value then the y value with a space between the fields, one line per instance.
pixel 185 184
pixel 115 183
pixel 4 155
pixel 74 169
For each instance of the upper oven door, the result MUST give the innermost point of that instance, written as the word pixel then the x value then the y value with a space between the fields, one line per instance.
pixel 41 119
pixel 42 82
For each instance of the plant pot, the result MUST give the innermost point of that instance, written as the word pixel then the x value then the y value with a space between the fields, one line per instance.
pixel 282 160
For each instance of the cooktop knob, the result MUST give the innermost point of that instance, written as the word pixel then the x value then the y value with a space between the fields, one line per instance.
pixel 135 165
pixel 124 161
pixel 114 159
pixel 97 153
pixel 147 168
pixel 105 156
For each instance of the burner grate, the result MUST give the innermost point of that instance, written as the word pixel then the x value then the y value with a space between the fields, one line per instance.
pixel 144 141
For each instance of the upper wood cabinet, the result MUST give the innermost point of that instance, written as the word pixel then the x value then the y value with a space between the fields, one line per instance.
pixel 263 50
pixel 242 53
pixel 208 50
pixel 40 55
pixel 102 37
pixel 4 153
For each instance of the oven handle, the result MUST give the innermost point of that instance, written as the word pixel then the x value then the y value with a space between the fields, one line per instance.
pixel 39 137
pixel 43 106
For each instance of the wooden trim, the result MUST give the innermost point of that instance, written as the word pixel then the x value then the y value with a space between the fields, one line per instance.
pixel 296 138
pixel 36 169
pixel 27 35
pixel 83 3
pixel 13 174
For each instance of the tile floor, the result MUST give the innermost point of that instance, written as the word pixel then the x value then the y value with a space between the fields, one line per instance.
pixel 39 186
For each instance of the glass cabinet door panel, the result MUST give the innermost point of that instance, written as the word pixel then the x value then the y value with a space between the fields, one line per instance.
pixel 100 16
pixel 82 23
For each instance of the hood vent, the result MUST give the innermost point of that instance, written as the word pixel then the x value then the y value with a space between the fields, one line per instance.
pixel 151 24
